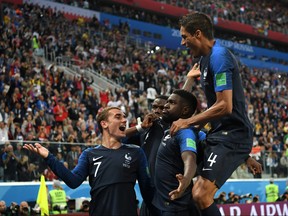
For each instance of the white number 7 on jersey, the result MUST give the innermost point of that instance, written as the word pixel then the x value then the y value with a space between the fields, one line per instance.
pixel 97 167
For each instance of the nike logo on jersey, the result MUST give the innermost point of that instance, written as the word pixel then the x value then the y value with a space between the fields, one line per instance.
pixel 95 159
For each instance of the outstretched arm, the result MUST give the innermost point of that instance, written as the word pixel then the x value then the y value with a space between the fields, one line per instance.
pixel 38 149
pixel 73 178
pixel 189 159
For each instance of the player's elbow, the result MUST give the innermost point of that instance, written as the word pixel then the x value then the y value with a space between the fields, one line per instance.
pixel 226 107
pixel 229 109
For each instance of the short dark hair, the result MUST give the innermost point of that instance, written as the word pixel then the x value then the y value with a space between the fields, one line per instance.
pixel 189 99
pixel 103 115
pixel 198 21
pixel 163 97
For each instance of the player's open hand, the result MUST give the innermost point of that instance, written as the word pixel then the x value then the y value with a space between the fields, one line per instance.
pixel 38 149
pixel 177 125
pixel 175 194
pixel 195 71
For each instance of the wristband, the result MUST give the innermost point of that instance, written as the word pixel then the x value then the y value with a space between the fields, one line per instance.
pixel 139 128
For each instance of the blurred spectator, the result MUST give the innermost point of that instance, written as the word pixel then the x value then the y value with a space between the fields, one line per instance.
pixel 28 125
pixel 272 163
pixel 3 208
pixel 151 95
pixel 72 157
pixel 10 163
pixel 19 113
pixel 2 147
pixel 4 129
pixel 13 209
pixel 73 113
pixel 33 173
pixel 23 169
pixel 235 199
pixel 283 166
pixel 241 172
pixel 84 206
pixel 221 199
pixel 40 118
pixel 60 112
pixel 230 197
pixel 256 199
pixel 57 199
pixel 283 197
pixel 49 174
pixel 271 191
pixel 17 134
pixel 24 209
pixel 41 104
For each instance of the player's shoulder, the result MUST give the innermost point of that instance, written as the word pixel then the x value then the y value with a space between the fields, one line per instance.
pixel 219 49
pixel 130 146
pixel 189 130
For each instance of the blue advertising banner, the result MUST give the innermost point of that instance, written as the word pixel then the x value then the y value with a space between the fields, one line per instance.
pixel 164 36
pixel 20 191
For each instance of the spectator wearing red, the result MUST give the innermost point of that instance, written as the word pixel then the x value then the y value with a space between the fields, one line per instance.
pixel 104 96
pixel 60 112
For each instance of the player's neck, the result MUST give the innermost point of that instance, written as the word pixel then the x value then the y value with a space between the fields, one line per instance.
pixel 111 143
pixel 208 46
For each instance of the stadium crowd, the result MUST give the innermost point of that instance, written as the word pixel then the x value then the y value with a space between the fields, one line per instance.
pixel 156 18
pixel 270 15
pixel 40 103
pixel 263 16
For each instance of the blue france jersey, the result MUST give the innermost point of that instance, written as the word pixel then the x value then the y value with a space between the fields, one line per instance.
pixel 169 163
pixel 112 176
pixel 220 72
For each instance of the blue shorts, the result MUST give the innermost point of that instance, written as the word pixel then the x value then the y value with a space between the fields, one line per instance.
pixel 217 161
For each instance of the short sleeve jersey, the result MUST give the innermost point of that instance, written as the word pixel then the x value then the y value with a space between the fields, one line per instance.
pixel 220 72
pixel 169 163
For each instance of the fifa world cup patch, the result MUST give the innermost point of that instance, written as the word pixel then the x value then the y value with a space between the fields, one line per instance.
pixel 221 79
pixel 190 143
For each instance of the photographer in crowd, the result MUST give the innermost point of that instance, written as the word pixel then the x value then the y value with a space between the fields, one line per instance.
pixel 24 209
pixel 85 206
pixel 3 208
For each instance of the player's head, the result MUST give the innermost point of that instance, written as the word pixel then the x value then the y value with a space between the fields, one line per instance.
pixel 194 29
pixel 197 21
pixel 180 104
pixel 158 104
pixel 112 120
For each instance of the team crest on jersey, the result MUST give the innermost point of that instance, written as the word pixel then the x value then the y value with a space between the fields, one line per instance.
pixel 165 139
pixel 127 160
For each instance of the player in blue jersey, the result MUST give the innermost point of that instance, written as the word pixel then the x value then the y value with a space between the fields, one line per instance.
pixel 176 158
pixel 229 141
pixel 151 132
pixel 112 168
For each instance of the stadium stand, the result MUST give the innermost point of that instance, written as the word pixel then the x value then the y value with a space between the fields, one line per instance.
pixel 51 68
pixel 126 68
